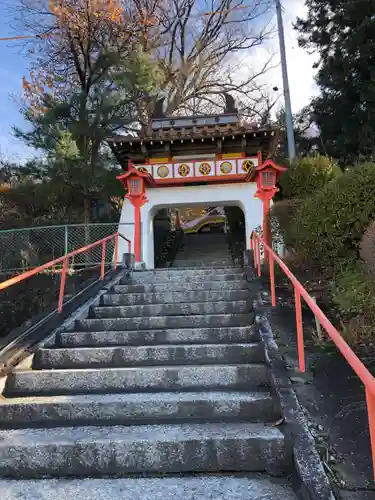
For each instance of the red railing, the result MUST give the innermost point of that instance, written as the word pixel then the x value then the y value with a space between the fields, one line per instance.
pixel 65 265
pixel 299 291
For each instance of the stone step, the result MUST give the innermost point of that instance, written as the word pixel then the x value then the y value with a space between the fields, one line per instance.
pixel 221 270
pixel 158 322
pixel 130 409
pixel 203 272
pixel 228 335
pixel 201 263
pixel 167 278
pixel 197 250
pixel 116 299
pixel 217 256
pixel 214 249
pixel 110 451
pixel 215 253
pixel 179 286
pixel 113 357
pixel 210 487
pixel 147 379
pixel 179 309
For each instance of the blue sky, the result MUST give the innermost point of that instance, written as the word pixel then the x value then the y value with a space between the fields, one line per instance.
pixel 14 64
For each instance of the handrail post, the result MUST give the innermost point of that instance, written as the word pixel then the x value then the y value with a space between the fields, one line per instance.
pixel 62 284
pixel 371 422
pixel 258 258
pixel 103 260
pixel 300 342
pixel 66 240
pixel 129 246
pixel 255 243
pixel 272 277
pixel 116 252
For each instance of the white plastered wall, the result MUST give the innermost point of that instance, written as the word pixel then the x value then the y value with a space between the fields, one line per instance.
pixel 236 194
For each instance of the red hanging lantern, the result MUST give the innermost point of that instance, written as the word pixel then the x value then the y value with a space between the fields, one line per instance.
pixel 134 182
pixel 267 175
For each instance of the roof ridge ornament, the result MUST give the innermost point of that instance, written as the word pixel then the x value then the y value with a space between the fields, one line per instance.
pixel 159 108
pixel 230 104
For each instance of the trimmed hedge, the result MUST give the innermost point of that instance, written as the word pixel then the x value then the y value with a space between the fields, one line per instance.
pixel 352 293
pixel 367 251
pixel 307 174
pixel 282 215
pixel 328 226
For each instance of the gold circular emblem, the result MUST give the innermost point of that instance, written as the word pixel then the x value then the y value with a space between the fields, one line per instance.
pixel 143 170
pixel 184 170
pixel 226 167
pixel 247 166
pixel 163 171
pixel 205 168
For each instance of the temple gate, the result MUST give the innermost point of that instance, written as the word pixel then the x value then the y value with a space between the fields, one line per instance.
pixel 181 161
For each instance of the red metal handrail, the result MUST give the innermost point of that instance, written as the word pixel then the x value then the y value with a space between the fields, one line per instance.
pixel 65 261
pixel 299 291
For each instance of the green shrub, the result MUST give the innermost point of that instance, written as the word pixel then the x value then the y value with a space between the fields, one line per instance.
pixel 351 292
pixel 328 225
pixel 282 215
pixel 353 296
pixel 367 251
pixel 306 175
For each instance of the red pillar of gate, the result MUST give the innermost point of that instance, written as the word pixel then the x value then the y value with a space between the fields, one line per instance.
pixel 266 177
pixel 267 236
pixel 137 233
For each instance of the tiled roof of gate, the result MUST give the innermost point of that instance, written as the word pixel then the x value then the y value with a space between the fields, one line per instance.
pixel 197 132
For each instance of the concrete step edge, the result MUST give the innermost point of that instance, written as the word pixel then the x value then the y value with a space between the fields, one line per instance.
pixel 245 345
pixel 133 379
pixel 150 337
pixel 138 409
pixel 179 287
pixel 203 304
pixel 141 397
pixel 109 450
pixel 140 356
pixel 150 318
pixel 153 298
pixel 172 488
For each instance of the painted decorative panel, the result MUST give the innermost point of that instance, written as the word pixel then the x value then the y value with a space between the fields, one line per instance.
pixel 182 170
pixel 247 165
pixel 146 169
pixel 201 169
pixel 226 167
pixel 204 168
pixel 163 171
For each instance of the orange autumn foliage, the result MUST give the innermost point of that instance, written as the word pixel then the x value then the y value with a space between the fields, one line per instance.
pixel 35 90
pixel 80 16
pixel 85 27
pixel 76 15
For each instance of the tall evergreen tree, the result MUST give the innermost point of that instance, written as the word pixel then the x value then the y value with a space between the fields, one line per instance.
pixel 343 34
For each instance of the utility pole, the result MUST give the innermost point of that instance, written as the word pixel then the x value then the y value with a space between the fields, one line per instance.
pixel 284 69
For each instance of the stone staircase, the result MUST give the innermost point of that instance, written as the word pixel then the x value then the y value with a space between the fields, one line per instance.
pixel 204 250
pixel 162 392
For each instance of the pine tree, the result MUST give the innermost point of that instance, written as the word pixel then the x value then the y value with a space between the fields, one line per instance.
pixel 343 34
